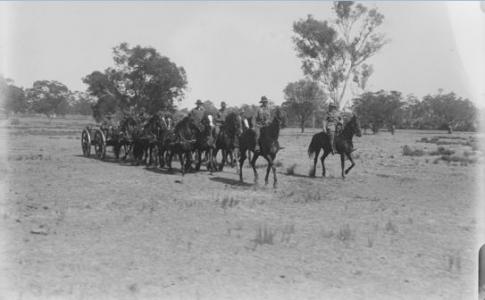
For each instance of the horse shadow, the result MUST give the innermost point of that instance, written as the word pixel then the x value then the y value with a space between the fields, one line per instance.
pixel 111 160
pixel 230 181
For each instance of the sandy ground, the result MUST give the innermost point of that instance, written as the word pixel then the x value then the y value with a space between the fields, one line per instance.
pixel 399 227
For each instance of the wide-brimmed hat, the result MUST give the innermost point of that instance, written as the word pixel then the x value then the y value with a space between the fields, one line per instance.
pixel 263 99
pixel 199 102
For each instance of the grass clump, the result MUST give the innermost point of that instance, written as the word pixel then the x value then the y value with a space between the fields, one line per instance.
pixel 291 170
pixel 408 151
pixel 442 151
pixel 264 235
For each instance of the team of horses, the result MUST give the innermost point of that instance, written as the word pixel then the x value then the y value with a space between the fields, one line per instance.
pixel 194 142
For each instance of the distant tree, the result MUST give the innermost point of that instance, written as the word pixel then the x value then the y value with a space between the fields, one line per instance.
pixel 13 97
pixel 210 107
pixel 81 103
pixel 334 53
pixel 378 109
pixel 443 110
pixel 49 98
pixel 303 98
pixel 141 78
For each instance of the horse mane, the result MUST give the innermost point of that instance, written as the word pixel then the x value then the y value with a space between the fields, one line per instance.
pixel 347 129
pixel 232 123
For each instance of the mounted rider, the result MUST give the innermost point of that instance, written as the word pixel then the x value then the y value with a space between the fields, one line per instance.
pixel 220 117
pixel 332 123
pixel 197 114
pixel 107 124
pixel 143 117
pixel 263 119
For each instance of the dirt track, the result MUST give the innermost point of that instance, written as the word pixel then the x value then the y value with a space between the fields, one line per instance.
pixel 80 228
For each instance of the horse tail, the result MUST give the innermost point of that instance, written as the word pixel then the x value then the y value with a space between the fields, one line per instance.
pixel 313 147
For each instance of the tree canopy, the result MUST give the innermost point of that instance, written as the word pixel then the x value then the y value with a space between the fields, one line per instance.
pixel 302 99
pixel 48 97
pixel 378 109
pixel 141 78
pixel 334 52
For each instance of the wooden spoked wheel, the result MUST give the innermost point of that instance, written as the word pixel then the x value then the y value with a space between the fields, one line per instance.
pixel 86 142
pixel 99 144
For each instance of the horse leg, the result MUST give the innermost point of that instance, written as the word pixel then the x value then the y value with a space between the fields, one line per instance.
pixel 315 160
pixel 231 155
pixel 161 160
pixel 169 162
pixel 342 164
pixel 322 159
pixel 253 165
pixel 268 169
pixel 210 163
pixel 275 180
pixel 182 166
pixel 223 161
pixel 242 158
pixel 349 155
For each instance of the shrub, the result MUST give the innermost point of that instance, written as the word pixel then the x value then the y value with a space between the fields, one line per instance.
pixel 408 151
pixel 442 151
pixel 291 169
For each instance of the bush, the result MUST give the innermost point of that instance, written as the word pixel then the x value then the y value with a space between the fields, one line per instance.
pixel 408 151
pixel 442 151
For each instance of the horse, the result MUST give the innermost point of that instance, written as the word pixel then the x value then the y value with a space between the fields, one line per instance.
pixel 343 145
pixel 228 138
pixel 181 141
pixel 206 142
pixel 128 129
pixel 152 131
pixel 269 146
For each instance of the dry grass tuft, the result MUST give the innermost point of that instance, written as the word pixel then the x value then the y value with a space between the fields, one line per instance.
pixel 291 170
pixel 229 202
pixel 408 151
pixel 264 235
pixel 442 151
pixel 345 234
pixel 391 227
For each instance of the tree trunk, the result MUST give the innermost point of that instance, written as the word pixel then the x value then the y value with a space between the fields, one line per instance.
pixel 302 125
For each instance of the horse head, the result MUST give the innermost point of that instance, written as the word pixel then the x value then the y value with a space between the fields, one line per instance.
pixel 233 124
pixel 354 124
pixel 279 117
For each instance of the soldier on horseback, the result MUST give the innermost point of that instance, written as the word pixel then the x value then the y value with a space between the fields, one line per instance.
pixel 197 114
pixel 220 117
pixel 263 118
pixel 332 123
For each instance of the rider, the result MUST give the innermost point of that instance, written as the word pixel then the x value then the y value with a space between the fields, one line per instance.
pixel 197 113
pixel 330 123
pixel 263 118
pixel 220 117
pixel 143 116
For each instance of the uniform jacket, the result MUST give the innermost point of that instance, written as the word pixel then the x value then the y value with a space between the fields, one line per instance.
pixel 263 116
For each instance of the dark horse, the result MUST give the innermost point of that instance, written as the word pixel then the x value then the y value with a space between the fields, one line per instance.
pixel 343 145
pixel 181 141
pixel 269 145
pixel 206 142
pixel 153 133
pixel 228 139
pixel 128 131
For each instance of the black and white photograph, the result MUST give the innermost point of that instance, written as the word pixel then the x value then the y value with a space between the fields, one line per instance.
pixel 242 150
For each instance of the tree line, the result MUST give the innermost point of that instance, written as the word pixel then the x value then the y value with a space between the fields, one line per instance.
pixel 334 55
pixel 334 59
pixel 48 97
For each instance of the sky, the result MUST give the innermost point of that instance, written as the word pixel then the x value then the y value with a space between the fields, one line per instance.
pixel 238 51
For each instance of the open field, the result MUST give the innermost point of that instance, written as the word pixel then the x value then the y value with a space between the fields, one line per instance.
pixel 398 227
